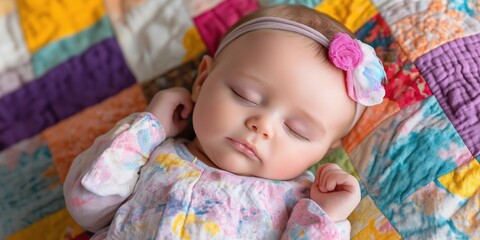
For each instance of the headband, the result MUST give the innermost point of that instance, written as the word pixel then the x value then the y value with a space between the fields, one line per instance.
pixel 364 70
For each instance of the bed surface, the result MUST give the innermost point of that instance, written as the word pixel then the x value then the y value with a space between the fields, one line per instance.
pixel 70 71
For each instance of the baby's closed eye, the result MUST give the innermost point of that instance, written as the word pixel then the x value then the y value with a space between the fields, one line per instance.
pixel 249 97
pixel 296 131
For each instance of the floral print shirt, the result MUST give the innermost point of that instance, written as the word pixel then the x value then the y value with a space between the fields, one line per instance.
pixel 132 183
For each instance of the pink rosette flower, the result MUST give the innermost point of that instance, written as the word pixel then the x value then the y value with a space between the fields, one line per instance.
pixel 344 52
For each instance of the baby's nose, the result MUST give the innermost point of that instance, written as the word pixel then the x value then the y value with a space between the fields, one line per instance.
pixel 260 125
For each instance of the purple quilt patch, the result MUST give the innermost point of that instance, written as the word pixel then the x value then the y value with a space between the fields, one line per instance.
pixel 82 81
pixel 453 73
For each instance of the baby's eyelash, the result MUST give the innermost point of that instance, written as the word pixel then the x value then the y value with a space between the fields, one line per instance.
pixel 242 97
pixel 295 134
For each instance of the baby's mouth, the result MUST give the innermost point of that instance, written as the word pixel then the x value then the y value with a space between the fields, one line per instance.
pixel 244 148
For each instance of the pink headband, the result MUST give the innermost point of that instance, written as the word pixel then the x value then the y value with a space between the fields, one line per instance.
pixel 364 70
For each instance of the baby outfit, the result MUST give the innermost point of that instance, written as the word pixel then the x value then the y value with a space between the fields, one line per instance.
pixel 132 183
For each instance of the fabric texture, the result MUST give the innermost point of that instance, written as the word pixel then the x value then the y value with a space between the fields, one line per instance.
pixel 155 190
pixel 70 70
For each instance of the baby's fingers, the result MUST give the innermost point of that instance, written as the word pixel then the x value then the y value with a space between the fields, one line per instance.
pixel 187 108
pixel 336 179
pixel 183 102
pixel 323 171
pixel 343 182
pixel 331 179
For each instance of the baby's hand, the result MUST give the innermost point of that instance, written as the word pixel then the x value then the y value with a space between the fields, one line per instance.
pixel 172 107
pixel 337 192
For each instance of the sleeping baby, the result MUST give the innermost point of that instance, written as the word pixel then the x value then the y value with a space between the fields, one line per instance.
pixel 284 86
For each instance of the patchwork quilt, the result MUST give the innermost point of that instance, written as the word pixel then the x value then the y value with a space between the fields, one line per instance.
pixel 69 70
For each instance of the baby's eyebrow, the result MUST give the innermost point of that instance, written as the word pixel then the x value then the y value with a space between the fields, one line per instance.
pixel 258 80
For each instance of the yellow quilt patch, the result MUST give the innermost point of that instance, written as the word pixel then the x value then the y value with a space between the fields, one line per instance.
pixel 463 181
pixel 6 7
pixel 47 21
pixel 352 13
pixel 193 44
pixel 59 225
pixel 369 223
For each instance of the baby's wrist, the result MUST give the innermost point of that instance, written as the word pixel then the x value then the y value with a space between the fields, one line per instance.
pixel 333 215
pixel 339 221
pixel 336 219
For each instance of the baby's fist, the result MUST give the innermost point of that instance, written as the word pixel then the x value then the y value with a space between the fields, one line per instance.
pixel 335 191
pixel 171 107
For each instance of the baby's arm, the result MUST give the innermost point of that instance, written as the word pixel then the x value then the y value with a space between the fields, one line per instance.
pixel 104 176
pixel 333 196
pixel 101 178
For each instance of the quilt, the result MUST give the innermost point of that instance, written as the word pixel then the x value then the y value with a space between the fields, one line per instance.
pixel 69 70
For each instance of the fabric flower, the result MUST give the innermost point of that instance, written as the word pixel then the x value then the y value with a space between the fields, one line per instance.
pixel 344 52
pixel 367 78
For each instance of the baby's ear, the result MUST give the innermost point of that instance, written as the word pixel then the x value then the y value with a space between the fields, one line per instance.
pixel 204 70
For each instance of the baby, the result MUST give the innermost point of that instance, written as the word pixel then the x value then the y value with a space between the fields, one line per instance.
pixel 285 85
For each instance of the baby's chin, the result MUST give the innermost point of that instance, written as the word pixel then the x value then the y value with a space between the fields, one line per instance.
pixel 256 168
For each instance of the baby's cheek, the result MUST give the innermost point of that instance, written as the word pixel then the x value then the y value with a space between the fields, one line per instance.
pixel 287 165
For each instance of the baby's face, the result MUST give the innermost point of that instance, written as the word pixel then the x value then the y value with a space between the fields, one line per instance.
pixel 269 107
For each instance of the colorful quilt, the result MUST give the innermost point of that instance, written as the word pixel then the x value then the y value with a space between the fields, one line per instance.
pixel 69 70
